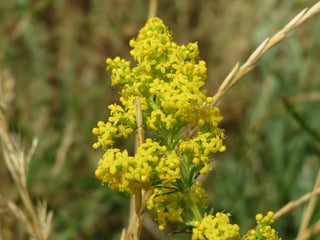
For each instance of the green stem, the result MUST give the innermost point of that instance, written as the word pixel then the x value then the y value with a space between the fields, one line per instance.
pixel 194 207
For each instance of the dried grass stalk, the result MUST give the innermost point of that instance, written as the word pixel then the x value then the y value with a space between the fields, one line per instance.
pixel 152 8
pixel 45 218
pixel 309 210
pixel 313 230
pixel 238 73
pixel 17 159
pixel 295 204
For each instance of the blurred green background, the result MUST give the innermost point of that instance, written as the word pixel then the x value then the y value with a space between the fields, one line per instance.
pixel 54 52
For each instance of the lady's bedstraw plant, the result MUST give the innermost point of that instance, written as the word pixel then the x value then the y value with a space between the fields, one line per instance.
pixel 167 80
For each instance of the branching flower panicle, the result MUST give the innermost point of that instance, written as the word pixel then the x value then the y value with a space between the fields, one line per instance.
pixel 167 79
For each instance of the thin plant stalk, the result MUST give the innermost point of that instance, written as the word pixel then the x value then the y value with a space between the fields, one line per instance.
pixel 36 220
pixel 17 164
pixel 139 201
pixel 311 231
pixel 292 205
pixel 136 205
pixel 309 210
pixel 239 71
pixel 152 8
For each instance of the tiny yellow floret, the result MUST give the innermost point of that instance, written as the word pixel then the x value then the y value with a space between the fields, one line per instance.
pixel 164 148
pixel 259 217
pixel 270 214
pixel 152 91
pixel 95 131
pixel 100 124
pixel 117 60
pixel 196 223
pixel 144 178
pixel 161 227
pixel 132 43
pixel 95 145
pixel 209 99
pixel 222 149
pixel 196 161
pixel 109 61
pixel 97 173
pixel 201 122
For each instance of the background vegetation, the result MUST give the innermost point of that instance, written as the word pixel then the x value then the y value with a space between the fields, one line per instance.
pixel 52 59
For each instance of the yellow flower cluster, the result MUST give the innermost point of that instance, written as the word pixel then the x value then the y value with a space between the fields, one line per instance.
pixel 168 204
pixel 216 227
pixel 199 147
pixel 263 231
pixel 120 124
pixel 172 205
pixel 129 174
pixel 167 79
pixel 199 195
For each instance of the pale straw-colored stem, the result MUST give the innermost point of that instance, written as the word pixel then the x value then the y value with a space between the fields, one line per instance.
pixel 309 210
pixel 292 205
pixel 311 231
pixel 17 162
pixel 152 8
pixel 238 72
pixel 138 201
pixel 66 142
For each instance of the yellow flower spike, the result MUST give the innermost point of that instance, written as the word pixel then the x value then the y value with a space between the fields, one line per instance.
pixel 168 79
